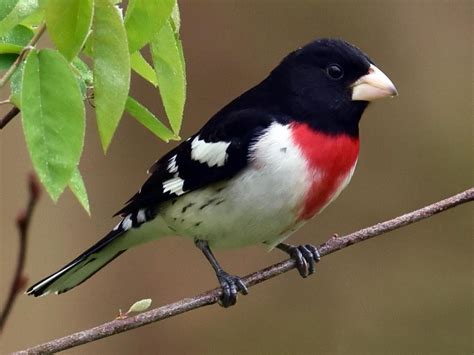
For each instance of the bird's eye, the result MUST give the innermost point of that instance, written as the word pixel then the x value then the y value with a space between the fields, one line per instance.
pixel 334 71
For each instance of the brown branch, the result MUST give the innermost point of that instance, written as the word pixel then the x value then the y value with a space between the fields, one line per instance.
pixel 23 223
pixel 211 297
pixel 9 116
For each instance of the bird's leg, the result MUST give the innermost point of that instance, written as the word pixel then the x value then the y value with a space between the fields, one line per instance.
pixel 305 256
pixel 230 284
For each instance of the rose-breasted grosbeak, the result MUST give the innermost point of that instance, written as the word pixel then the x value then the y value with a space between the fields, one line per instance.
pixel 256 172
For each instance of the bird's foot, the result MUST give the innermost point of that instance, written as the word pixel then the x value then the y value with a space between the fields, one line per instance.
pixel 306 256
pixel 231 286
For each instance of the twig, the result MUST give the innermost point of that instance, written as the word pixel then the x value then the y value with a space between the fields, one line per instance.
pixel 23 222
pixel 15 110
pixel 22 55
pixel 9 116
pixel 211 297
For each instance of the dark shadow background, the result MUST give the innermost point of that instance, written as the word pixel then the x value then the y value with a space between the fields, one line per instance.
pixel 407 292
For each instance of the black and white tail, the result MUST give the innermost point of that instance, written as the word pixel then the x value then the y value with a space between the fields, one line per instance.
pixel 131 231
pixel 82 267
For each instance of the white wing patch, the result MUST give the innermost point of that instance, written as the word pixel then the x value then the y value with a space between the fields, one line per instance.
pixel 174 185
pixel 212 154
pixel 172 167
pixel 127 223
pixel 141 216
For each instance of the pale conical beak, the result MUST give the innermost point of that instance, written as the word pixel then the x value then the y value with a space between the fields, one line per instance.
pixel 373 85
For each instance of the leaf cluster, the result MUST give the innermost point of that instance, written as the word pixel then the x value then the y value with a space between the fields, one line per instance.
pixel 96 49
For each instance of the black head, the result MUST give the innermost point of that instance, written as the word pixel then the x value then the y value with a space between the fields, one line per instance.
pixel 327 83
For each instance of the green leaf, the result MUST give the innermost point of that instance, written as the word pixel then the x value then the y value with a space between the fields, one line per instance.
pixel 111 68
pixel 6 60
pixel 148 119
pixel 87 50
pixel 169 65
pixel 144 18
pixel 68 23
pixel 53 118
pixel 82 85
pixel 140 306
pixel 143 68
pixel 21 10
pixel 176 24
pixel 36 18
pixel 6 7
pixel 15 85
pixel 84 70
pixel 14 40
pixel 10 48
pixel 76 184
pixel 176 18
pixel 83 75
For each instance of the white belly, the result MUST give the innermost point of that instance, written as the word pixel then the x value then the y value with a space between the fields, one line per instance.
pixel 259 205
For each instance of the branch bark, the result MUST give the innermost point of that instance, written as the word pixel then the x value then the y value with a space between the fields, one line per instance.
pixel 23 224
pixel 210 297
pixel 9 116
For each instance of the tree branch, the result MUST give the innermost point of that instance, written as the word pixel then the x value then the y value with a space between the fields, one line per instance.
pixel 9 116
pixel 23 223
pixel 210 297
pixel 22 55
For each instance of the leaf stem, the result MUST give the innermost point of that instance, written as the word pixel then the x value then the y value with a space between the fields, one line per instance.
pixel 22 55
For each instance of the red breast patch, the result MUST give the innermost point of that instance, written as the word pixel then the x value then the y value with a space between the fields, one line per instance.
pixel 330 158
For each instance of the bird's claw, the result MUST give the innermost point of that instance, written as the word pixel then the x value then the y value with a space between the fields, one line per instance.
pixel 305 256
pixel 231 286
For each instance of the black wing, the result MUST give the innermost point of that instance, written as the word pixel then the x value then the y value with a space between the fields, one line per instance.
pixel 239 129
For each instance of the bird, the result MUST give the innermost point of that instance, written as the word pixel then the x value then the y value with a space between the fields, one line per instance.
pixel 257 171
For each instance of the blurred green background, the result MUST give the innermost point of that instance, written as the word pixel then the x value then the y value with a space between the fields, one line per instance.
pixel 409 291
